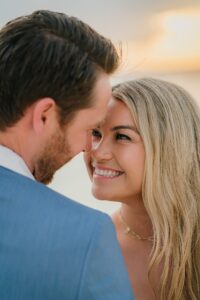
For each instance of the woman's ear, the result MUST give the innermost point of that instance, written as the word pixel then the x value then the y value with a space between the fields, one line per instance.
pixel 43 114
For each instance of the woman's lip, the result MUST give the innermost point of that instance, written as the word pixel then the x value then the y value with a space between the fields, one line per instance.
pixel 100 177
pixel 102 172
pixel 107 174
pixel 105 168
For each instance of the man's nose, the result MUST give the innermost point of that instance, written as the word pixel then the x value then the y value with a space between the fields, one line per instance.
pixel 88 143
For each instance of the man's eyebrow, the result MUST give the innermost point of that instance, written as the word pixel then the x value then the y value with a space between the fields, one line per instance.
pixel 124 127
pixel 98 125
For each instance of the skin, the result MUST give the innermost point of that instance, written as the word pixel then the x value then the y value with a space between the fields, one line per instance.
pixel 116 167
pixel 44 145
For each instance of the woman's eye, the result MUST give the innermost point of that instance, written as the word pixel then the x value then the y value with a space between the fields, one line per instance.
pixel 120 136
pixel 96 133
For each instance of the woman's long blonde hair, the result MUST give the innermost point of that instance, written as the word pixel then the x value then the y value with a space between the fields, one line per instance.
pixel 168 120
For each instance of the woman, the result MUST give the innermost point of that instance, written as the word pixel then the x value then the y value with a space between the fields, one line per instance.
pixel 146 155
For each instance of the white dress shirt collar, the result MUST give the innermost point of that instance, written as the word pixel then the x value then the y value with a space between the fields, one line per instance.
pixel 11 160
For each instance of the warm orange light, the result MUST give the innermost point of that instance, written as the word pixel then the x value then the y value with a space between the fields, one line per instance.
pixel 175 46
pixel 181 36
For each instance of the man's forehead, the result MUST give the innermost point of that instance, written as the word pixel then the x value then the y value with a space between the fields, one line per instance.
pixel 100 123
pixel 102 90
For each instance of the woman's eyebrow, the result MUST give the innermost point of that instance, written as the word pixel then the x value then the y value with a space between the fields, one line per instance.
pixel 124 127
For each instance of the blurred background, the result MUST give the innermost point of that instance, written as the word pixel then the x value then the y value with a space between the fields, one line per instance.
pixel 159 38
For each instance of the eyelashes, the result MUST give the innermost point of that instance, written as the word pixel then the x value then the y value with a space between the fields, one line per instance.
pixel 120 136
pixel 96 134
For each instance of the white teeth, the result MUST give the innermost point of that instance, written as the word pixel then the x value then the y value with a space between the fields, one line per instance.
pixel 106 173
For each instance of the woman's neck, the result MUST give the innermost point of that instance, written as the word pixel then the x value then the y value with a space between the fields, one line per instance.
pixel 135 217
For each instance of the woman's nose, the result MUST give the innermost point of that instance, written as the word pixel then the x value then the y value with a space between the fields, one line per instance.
pixel 101 151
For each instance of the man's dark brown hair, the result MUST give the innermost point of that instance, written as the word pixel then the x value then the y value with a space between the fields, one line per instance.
pixel 50 54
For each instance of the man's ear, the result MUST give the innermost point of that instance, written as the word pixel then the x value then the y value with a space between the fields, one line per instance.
pixel 43 111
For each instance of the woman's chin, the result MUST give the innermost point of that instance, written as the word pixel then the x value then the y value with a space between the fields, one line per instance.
pixel 98 196
pixel 103 196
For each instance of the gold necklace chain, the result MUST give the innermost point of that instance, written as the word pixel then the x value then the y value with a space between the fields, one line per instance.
pixel 131 232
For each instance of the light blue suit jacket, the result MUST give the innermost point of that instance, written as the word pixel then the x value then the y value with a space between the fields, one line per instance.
pixel 52 248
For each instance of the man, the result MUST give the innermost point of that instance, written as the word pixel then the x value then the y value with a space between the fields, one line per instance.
pixel 54 88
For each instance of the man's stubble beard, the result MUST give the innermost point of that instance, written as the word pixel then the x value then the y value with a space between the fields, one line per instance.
pixel 55 154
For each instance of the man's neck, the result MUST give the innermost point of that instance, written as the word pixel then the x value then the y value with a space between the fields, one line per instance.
pixel 14 138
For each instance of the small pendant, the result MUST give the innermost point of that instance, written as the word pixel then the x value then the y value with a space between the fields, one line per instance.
pixel 127 230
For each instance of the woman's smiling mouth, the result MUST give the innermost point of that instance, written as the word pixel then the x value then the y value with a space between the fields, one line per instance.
pixel 105 172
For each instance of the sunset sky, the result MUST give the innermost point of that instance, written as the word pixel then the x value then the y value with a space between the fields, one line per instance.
pixel 156 35
pixel 173 43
